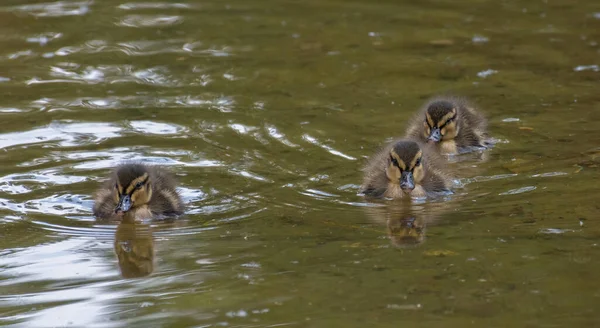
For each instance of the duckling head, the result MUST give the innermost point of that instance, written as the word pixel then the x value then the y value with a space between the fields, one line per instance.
pixel 132 188
pixel 405 165
pixel 440 121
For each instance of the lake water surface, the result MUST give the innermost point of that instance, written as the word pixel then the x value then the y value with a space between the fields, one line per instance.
pixel 266 111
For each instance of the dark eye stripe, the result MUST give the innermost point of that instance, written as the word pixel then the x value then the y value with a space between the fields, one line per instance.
pixel 427 122
pixel 448 121
pixel 143 182
pixel 396 164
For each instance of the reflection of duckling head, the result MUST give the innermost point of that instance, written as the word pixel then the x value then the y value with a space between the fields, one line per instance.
pixel 134 247
pixel 407 231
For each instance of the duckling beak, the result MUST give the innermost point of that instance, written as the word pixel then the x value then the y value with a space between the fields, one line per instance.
pixel 408 223
pixel 407 182
pixel 124 204
pixel 435 135
pixel 406 233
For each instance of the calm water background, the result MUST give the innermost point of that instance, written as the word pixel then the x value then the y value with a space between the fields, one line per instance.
pixel 266 111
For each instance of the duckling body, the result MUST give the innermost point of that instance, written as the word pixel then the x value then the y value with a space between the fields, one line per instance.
pixel 138 191
pixel 403 169
pixel 452 124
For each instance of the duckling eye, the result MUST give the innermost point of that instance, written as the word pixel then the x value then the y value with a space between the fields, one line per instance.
pixel 418 162
pixel 139 185
pixel 394 161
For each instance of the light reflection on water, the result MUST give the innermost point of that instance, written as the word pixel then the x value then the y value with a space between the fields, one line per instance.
pixel 265 111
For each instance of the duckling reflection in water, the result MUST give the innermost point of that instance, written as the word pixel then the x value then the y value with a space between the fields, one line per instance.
pixel 405 168
pixel 406 224
pixel 407 231
pixel 452 124
pixel 134 246
pixel 139 191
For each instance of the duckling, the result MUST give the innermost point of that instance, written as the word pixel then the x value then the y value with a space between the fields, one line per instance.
pixel 139 191
pixel 404 168
pixel 452 124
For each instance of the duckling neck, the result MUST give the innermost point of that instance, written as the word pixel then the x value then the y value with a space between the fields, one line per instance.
pixel 419 191
pixel 139 213
pixel 394 191
pixel 448 147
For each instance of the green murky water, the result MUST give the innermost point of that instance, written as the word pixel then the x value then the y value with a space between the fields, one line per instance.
pixel 266 111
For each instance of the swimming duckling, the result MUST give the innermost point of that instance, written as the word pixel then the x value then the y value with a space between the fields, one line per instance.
pixel 404 168
pixel 138 191
pixel 452 124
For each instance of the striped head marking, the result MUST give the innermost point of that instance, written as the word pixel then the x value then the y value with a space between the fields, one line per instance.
pixel 405 165
pixel 132 188
pixel 440 121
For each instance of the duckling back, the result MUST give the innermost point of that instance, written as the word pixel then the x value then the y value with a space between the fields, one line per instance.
pixel 474 125
pixel 166 199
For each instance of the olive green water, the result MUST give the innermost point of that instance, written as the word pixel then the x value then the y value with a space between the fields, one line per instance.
pixel 266 110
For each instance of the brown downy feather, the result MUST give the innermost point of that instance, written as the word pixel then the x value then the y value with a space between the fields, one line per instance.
pixel 472 125
pixel 376 183
pixel 164 200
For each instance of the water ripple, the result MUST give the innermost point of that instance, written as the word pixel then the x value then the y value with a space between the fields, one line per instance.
pixel 67 134
pixel 156 76
pixel 63 260
pixel 50 176
pixel 279 136
pixel 60 205
pixel 518 190
pixel 44 38
pixel 55 9
pixel 330 149
pixel 127 156
pixel 139 48
pixel 150 20
pixel 154 5
pixel 220 103
pixel 149 127
pixel 97 232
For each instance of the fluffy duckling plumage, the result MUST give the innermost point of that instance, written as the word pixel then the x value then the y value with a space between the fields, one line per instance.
pixel 405 168
pixel 139 191
pixel 452 124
